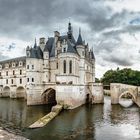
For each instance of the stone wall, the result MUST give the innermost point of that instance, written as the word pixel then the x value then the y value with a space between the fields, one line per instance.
pixel 97 93
pixel 71 96
pixel 117 90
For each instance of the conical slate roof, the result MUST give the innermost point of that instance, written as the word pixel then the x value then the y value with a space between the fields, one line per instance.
pixel 79 40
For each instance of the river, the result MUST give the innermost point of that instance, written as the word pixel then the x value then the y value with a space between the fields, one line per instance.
pixel 88 122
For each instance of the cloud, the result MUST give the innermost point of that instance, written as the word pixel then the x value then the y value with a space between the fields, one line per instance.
pixel 107 24
pixel 3 57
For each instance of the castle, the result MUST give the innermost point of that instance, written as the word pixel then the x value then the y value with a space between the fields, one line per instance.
pixel 59 69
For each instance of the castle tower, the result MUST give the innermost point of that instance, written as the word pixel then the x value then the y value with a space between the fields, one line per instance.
pixel 46 76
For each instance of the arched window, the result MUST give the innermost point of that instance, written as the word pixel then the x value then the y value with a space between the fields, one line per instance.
pixel 64 66
pixel 70 66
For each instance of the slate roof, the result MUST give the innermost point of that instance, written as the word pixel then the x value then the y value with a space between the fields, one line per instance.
pixel 36 52
pixel 79 40
pixel 23 58
pixel 50 45
pixel 92 55
pixel 71 47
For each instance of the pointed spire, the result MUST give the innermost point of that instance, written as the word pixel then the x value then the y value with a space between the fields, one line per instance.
pixel 92 53
pixel 35 45
pixel 79 30
pixel 79 40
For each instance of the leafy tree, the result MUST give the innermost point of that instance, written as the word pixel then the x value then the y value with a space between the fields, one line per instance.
pixel 97 80
pixel 125 76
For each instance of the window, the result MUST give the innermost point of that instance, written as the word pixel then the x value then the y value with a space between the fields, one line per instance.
pixel 32 79
pixel 6 81
pixel 20 81
pixel 83 53
pixel 20 72
pixel 12 81
pixel 70 66
pixel 27 79
pixel 64 49
pixel 27 66
pixel 6 73
pixel 64 66
pixel 32 66
pixel 57 65
pixel 28 54
pixel 0 73
pixel 13 65
pixel 13 72
pixel 20 63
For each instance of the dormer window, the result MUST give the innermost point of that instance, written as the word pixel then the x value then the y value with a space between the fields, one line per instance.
pixel 28 54
pixel 6 66
pixel 20 63
pixel 13 65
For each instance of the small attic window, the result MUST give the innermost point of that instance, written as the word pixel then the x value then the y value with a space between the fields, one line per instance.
pixel 13 65
pixel 20 63
pixel 7 66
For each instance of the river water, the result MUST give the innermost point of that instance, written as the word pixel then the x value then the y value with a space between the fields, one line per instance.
pixel 88 122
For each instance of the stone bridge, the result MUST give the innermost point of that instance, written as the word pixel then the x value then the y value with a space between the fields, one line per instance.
pixel 118 90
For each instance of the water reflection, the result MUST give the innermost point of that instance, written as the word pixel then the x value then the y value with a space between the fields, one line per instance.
pixel 88 122
pixel 16 114
pixel 126 102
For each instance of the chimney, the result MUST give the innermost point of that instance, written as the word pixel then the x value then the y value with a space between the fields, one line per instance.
pixel 42 43
pixel 56 34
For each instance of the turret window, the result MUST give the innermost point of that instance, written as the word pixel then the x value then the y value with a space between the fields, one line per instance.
pixel 20 81
pixel 64 66
pixel 32 79
pixel 6 81
pixel 57 65
pixel 20 72
pixel 70 66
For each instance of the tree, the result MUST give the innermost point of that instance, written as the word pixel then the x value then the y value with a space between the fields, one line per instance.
pixel 125 76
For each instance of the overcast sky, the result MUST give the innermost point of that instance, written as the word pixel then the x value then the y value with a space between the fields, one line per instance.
pixel 112 27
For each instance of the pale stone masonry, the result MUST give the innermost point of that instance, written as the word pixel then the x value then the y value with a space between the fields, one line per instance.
pixel 58 69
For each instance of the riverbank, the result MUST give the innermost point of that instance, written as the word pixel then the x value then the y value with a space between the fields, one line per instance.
pixel 5 135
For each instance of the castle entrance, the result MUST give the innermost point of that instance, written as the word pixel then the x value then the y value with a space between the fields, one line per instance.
pixel 49 96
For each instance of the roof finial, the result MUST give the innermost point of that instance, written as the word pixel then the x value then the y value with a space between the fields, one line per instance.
pixel 69 30
pixel 69 19
pixel 35 40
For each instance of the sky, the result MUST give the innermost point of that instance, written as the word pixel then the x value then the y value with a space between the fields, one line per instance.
pixel 111 27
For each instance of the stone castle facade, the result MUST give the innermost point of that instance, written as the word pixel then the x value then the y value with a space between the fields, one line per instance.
pixel 59 69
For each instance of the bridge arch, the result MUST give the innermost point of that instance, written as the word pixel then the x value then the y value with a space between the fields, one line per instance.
pixel 49 96
pixel 126 92
pixel 20 92
pixel 6 91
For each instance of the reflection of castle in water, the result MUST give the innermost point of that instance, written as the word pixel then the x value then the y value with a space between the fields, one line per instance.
pixel 17 114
